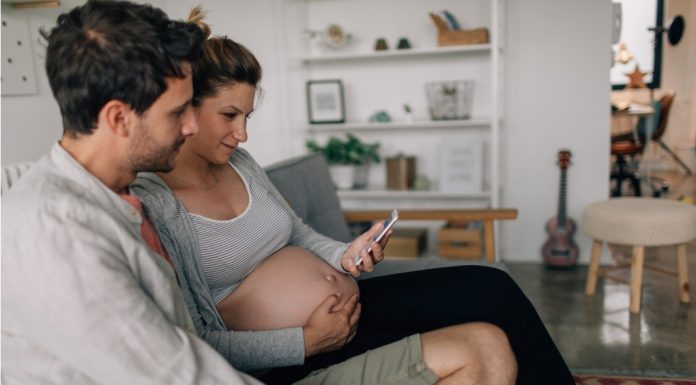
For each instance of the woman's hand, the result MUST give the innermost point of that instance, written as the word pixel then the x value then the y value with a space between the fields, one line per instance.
pixel 358 246
pixel 331 326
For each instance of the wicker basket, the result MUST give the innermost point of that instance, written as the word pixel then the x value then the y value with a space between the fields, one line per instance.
pixel 450 100
pixel 462 37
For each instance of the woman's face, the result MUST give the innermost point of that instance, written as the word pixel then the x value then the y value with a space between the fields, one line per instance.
pixel 222 122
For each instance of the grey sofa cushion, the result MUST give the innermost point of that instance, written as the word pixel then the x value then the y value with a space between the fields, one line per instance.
pixel 306 184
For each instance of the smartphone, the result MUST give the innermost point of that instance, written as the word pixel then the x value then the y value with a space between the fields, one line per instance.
pixel 388 223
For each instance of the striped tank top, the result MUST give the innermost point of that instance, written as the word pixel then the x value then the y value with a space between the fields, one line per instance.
pixel 231 249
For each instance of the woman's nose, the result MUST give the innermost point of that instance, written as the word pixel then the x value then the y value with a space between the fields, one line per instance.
pixel 240 133
pixel 189 125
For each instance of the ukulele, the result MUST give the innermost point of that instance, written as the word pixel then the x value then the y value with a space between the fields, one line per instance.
pixel 560 250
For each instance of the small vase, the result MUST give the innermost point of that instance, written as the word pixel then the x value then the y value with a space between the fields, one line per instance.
pixel 342 176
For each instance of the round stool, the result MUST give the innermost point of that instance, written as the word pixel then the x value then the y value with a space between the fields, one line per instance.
pixel 639 222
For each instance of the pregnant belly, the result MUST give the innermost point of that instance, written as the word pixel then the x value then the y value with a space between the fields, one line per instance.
pixel 283 291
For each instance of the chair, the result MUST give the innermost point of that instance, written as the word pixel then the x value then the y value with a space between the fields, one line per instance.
pixel 639 222
pixel 306 184
pixel 627 148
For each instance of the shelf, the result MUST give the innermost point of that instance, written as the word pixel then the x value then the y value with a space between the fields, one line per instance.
pixel 398 126
pixel 413 52
pixel 395 194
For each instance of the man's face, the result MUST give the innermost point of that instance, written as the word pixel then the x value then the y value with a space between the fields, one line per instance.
pixel 164 127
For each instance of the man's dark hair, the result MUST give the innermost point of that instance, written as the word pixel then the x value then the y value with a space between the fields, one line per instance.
pixel 106 50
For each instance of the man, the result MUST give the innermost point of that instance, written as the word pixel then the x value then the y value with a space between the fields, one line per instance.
pixel 84 300
pixel 88 294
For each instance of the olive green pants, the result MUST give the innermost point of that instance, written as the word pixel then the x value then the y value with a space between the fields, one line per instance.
pixel 400 362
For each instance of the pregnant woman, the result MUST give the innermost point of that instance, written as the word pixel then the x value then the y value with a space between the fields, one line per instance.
pixel 269 292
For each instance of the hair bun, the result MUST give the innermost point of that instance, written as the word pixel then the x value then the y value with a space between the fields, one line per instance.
pixel 196 17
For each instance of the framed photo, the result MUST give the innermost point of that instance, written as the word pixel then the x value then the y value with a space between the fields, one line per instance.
pixel 325 101
pixel 461 165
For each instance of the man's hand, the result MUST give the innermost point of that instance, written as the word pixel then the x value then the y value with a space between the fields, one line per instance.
pixel 369 260
pixel 331 326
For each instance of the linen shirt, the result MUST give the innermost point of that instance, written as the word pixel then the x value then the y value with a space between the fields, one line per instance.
pixel 84 299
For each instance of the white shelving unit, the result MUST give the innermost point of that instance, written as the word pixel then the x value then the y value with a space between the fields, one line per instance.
pixel 375 79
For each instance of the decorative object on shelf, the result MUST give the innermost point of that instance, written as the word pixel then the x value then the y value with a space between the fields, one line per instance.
pixel 635 78
pixel 332 37
pixel 381 44
pixel 408 113
pixel 560 249
pixel 353 153
pixel 380 116
pixel 461 165
pixel 623 55
pixel 451 20
pixel 325 102
pixel 342 175
pixel 422 183
pixel 401 172
pixel 447 35
pixel 403 43
pixel 450 100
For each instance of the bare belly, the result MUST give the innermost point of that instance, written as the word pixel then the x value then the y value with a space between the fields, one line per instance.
pixel 283 291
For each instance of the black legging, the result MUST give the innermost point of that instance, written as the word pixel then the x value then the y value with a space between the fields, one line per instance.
pixel 398 305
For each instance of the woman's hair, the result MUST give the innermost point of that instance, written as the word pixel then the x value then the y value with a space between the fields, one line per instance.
pixel 223 62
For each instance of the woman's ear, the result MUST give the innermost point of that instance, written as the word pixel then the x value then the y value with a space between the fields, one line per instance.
pixel 117 117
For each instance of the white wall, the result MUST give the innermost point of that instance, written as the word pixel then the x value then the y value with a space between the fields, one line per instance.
pixel 557 96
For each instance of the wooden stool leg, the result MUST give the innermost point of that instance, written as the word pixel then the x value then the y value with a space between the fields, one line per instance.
pixel 636 278
pixel 683 274
pixel 591 284
pixel 489 238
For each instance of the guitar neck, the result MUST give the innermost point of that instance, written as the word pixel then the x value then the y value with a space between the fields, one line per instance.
pixel 561 216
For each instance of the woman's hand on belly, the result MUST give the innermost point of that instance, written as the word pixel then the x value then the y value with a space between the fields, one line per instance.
pixel 331 325
pixel 286 290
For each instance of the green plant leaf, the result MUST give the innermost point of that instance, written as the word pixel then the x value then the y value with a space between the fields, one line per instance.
pixel 349 151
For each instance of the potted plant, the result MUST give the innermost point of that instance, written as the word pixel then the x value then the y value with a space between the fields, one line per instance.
pixel 348 159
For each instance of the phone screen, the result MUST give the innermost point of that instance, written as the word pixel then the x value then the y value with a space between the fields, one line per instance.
pixel 388 223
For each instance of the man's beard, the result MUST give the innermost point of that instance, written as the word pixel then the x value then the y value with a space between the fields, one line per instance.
pixel 147 156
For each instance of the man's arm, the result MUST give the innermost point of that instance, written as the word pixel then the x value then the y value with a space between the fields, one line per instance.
pixel 94 301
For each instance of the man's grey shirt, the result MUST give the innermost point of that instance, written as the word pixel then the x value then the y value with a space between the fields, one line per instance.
pixel 84 299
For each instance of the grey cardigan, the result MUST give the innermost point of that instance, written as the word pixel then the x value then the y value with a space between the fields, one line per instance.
pixel 245 350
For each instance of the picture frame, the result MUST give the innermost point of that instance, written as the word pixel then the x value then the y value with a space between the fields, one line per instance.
pixel 461 165
pixel 325 103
